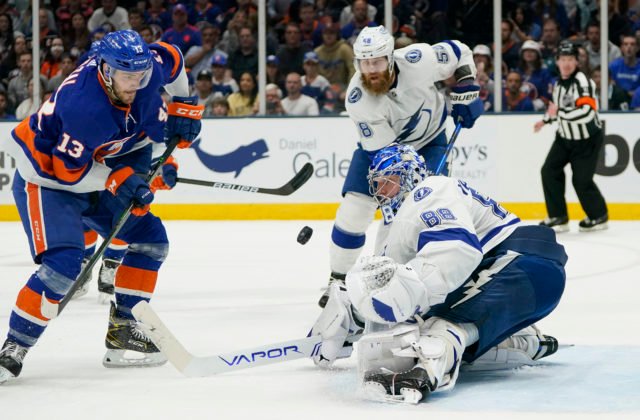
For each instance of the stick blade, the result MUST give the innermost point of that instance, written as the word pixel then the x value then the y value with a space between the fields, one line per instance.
pixel 303 176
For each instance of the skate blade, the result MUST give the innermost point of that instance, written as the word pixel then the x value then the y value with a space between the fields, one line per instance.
pixel 104 298
pixel 5 375
pixel 81 292
pixel 373 391
pixel 561 228
pixel 129 358
pixel 601 226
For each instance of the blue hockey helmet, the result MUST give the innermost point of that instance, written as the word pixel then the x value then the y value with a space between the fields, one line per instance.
pixel 397 164
pixel 125 51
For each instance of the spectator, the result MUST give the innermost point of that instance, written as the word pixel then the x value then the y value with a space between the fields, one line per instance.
pixel 10 63
pixel 245 58
pixel 291 54
pixel 593 46
pixel 550 42
pixel 635 101
pixel 156 14
pixel 231 37
pixel 273 72
pixel 347 13
pixel 241 103
pixel 482 59
pixel 18 90
pixel 111 13
pixel 51 64
pixel 510 48
pixel 181 34
pixel 7 35
pixel 204 11
pixel 28 106
pixel 204 90
pixel 220 106
pixel 514 98
pixel 486 90
pixel 545 9
pixel 583 61
pixel 64 15
pixel 523 26
pixel 67 65
pixel 199 57
pixel 530 67
pixel 136 19
pixel 147 34
pixel 222 84
pixel 619 100
pixel 360 20
pixel 4 103
pixel 78 39
pixel 46 18
pixel 296 103
pixel 335 57
pixel 310 27
pixel 46 32
pixel 625 71
pixel 273 96
pixel 314 85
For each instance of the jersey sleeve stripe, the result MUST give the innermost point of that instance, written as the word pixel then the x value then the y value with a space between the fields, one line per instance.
pixel 453 234
pixel 175 54
pixel 347 240
pixel 25 137
pixel 454 47
pixel 64 174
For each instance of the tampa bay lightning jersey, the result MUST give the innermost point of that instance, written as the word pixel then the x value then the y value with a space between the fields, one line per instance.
pixel 64 145
pixel 443 229
pixel 414 110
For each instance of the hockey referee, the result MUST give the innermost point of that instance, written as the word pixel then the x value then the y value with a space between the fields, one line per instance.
pixel 578 141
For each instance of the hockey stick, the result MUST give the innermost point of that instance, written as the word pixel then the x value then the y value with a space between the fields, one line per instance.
pixel 194 366
pixel 454 136
pixel 298 180
pixel 52 310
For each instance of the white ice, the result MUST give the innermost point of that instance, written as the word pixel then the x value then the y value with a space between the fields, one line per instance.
pixel 233 285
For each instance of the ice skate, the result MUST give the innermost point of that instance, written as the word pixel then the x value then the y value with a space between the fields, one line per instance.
pixel 335 277
pixel 406 387
pixel 11 357
pixel 589 225
pixel 128 346
pixel 84 287
pixel 559 224
pixel 106 280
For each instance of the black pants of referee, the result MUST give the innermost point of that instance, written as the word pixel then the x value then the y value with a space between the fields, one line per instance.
pixel 583 156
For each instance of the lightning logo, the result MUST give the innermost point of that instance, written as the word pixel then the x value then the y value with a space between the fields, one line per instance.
pixel 485 276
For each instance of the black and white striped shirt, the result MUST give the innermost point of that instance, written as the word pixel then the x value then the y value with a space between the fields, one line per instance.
pixel 577 107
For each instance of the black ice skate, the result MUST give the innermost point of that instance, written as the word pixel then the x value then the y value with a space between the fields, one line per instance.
pixel 335 277
pixel 589 225
pixel 106 280
pixel 11 357
pixel 548 346
pixel 405 387
pixel 128 346
pixel 559 224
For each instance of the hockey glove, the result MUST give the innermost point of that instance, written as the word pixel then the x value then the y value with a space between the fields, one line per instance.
pixel 167 179
pixel 126 187
pixel 335 324
pixel 466 104
pixel 184 120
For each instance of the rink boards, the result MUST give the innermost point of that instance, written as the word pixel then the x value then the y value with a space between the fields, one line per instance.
pixel 500 156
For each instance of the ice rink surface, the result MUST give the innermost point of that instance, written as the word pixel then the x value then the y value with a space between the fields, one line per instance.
pixel 233 285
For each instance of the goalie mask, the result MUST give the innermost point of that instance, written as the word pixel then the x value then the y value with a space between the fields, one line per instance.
pixel 393 173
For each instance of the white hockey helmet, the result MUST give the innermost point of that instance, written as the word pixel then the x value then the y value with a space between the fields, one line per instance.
pixel 373 43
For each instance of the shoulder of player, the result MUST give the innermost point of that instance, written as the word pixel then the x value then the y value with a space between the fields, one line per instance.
pixel 414 56
pixel 359 102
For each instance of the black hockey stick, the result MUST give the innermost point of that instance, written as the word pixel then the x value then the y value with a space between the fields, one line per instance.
pixel 52 310
pixel 298 180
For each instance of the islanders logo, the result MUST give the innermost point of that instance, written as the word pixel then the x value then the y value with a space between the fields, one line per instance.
pixel 234 161
pixel 354 95
pixel 413 56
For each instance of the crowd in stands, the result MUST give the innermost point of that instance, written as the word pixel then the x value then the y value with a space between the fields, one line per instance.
pixel 309 55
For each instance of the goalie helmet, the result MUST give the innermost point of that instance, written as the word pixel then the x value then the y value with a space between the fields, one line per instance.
pixel 373 43
pixel 125 51
pixel 402 161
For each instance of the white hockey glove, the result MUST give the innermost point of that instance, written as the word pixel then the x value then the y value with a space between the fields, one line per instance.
pixel 335 324
pixel 385 292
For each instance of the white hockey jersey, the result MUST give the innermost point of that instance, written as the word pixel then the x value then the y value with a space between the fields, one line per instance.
pixel 443 229
pixel 414 110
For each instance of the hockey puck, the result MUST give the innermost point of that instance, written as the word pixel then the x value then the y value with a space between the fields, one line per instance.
pixel 304 235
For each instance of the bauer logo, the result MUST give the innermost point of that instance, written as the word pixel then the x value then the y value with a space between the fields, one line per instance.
pixel 249 358
pixel 234 161
pixel 413 56
pixel 355 95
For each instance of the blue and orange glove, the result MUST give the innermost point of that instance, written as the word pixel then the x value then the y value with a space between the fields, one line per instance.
pixel 466 104
pixel 168 177
pixel 184 120
pixel 127 187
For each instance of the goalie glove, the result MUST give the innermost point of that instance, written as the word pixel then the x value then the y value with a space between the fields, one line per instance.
pixel 336 323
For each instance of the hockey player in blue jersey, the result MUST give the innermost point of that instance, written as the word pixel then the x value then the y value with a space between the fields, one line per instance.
pixel 82 158
pixel 456 278
pixel 397 96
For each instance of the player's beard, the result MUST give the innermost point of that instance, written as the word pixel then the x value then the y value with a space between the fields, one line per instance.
pixel 380 85
pixel 125 97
